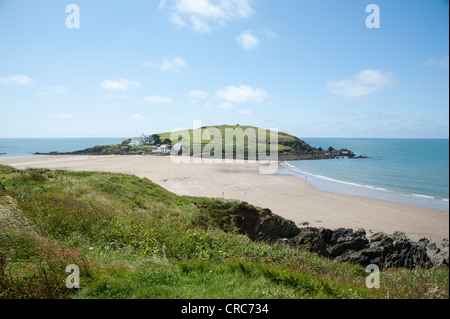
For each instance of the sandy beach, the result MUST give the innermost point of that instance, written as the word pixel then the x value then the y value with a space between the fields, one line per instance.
pixel 287 196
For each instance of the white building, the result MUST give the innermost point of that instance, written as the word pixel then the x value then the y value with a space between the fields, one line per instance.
pixel 140 141
pixel 164 149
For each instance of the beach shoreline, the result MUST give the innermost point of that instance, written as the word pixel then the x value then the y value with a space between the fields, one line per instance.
pixel 331 185
pixel 286 195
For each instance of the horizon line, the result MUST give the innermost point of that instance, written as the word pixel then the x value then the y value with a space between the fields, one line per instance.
pixel 303 137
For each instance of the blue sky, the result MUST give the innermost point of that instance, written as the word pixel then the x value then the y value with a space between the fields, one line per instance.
pixel 311 68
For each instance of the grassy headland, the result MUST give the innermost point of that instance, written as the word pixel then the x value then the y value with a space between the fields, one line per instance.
pixel 133 239
pixel 287 146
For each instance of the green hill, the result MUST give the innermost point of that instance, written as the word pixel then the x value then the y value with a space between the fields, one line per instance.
pixel 243 143
pixel 286 143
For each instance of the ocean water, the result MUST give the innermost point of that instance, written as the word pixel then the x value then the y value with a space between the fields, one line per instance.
pixel 15 147
pixel 413 171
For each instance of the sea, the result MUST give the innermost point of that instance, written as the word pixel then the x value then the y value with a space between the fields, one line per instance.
pixel 412 171
pixel 18 147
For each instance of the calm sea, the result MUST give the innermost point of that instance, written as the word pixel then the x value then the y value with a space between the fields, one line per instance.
pixel 414 171
pixel 14 147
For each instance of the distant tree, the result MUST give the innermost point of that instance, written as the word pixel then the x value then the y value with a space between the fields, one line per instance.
pixel 126 142
pixel 156 139
pixel 167 141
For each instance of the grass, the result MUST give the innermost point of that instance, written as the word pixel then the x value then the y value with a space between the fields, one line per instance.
pixel 133 239
pixel 286 142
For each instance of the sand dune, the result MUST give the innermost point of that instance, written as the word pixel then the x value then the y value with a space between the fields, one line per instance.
pixel 287 196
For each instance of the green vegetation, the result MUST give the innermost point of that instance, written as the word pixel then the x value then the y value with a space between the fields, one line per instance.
pixel 286 142
pixel 133 239
pixel 240 142
pixel 123 148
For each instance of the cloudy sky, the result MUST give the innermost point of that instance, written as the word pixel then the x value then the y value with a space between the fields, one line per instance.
pixel 311 68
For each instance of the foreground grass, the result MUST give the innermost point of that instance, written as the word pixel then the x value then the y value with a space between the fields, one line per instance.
pixel 133 239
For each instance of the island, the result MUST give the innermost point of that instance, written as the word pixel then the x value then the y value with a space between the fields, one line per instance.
pixel 289 147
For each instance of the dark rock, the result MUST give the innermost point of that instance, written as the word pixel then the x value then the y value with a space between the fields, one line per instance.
pixel 443 259
pixel 346 245
pixel 399 252
pixel 343 240
pixel 343 245
pixel 262 224
pixel 312 239
pixel 363 257
pixel 439 255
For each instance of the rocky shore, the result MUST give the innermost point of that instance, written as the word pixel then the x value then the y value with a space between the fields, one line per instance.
pixel 342 245
pixel 318 155
pixel 313 154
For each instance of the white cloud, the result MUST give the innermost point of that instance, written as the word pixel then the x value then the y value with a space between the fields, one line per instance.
pixel 362 84
pixel 172 64
pixel 226 106
pixel 162 3
pixel 271 35
pixel 247 40
pixel 245 112
pixel 198 94
pixel 16 79
pixel 53 90
pixel 243 93
pixel 61 116
pixel 117 96
pixel 158 99
pixel 177 20
pixel 199 25
pixel 121 85
pixel 442 63
pixel 201 14
pixel 138 117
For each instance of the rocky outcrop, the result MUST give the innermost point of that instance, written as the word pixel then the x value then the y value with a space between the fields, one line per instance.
pixel 390 251
pixel 438 254
pixel 346 245
pixel 343 245
pixel 261 224
pixel 316 154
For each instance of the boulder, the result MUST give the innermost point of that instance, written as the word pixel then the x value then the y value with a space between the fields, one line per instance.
pixel 438 254
pixel 313 239
pixel 343 240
